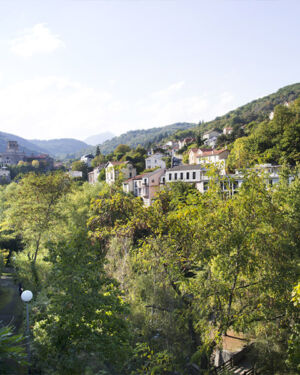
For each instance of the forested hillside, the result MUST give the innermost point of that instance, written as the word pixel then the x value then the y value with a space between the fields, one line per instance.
pixel 143 137
pixel 275 141
pixel 257 110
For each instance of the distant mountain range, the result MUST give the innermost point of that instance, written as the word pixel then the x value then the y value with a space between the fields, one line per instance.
pixel 97 139
pixel 62 147
pixel 24 145
pixel 68 148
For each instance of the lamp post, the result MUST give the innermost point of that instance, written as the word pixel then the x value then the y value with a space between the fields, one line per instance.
pixel 26 297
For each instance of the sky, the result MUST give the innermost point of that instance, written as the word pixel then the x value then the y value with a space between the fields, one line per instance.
pixel 75 68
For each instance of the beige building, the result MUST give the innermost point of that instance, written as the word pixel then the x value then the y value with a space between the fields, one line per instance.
pixel 12 155
pixel 195 152
pixel 116 169
pixel 212 157
pixel 154 161
pixel 145 185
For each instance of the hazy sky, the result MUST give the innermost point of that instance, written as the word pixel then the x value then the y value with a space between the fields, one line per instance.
pixel 78 68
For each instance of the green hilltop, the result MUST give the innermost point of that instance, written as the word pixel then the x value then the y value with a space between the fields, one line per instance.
pixel 257 110
pixel 143 137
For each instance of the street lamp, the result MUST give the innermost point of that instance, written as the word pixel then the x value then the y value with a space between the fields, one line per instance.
pixel 26 297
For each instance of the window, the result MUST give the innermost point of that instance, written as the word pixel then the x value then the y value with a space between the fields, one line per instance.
pixel 175 176
pixel 194 175
pixel 205 185
pixel 170 177
pixel 181 176
pixel 130 175
pixel 187 175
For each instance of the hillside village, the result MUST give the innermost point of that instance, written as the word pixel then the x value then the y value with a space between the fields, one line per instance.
pixel 195 171
pixel 188 160
pixel 200 218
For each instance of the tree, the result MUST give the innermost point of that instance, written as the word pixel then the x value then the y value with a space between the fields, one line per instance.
pixel 206 264
pixel 98 152
pixel 121 150
pixel 12 351
pixel 33 209
pixel 85 312
pixel 35 163
pixel 82 167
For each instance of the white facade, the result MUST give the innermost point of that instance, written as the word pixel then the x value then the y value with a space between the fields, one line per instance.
pixel 4 175
pixel 211 142
pixel 155 161
pixel 87 159
pixel 228 130
pixel 184 173
pixel 113 169
pixel 93 176
pixel 217 157
pixel 210 134
pixel 75 174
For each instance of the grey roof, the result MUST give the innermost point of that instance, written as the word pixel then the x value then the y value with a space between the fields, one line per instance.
pixel 149 174
pixel 188 167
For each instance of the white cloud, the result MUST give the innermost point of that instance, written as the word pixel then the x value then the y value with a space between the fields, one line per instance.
pixel 226 98
pixel 171 105
pixel 56 107
pixel 172 89
pixel 52 107
pixel 36 40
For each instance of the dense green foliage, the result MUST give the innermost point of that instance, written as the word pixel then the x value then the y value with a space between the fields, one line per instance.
pixel 12 350
pixel 257 110
pixel 124 289
pixel 275 141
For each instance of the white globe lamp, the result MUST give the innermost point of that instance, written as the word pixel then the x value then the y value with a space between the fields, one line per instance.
pixel 26 296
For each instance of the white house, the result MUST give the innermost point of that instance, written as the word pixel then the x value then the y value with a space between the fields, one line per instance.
pixel 211 134
pixel 184 173
pixel 213 157
pixel 113 170
pixel 185 142
pixel 145 185
pixel 75 174
pixel 155 161
pixel 227 130
pixel 87 159
pixel 4 175
pixel 194 152
pixel 93 176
